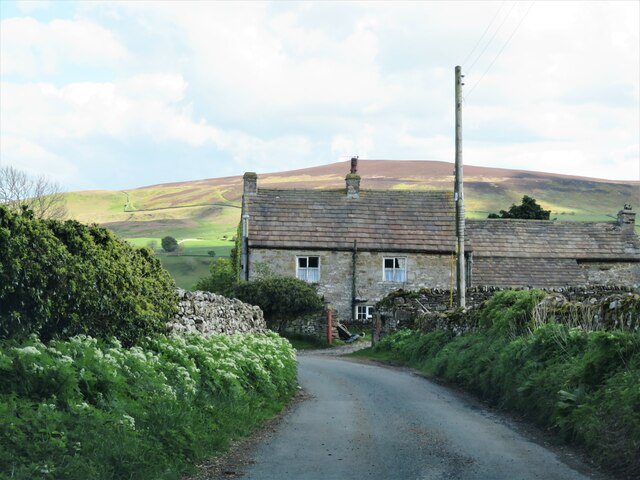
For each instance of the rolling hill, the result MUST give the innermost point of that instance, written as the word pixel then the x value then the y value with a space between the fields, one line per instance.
pixel 203 214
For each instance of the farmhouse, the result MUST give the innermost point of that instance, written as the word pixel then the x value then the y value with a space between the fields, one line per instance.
pixel 359 245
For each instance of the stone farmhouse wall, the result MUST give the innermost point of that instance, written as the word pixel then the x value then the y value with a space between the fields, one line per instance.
pixel 611 273
pixel 212 314
pixel 336 274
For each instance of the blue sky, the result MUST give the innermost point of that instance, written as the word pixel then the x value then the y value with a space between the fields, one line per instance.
pixel 118 95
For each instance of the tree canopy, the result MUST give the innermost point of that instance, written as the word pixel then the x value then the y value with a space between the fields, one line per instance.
pixel 169 244
pixel 59 279
pixel 528 209
pixel 39 195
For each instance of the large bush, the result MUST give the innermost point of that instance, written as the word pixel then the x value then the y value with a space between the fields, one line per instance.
pixel 59 279
pixel 83 408
pixel 281 298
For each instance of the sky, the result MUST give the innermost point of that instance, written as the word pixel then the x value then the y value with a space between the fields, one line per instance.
pixel 112 95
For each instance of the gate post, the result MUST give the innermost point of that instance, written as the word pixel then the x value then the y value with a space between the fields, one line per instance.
pixel 329 325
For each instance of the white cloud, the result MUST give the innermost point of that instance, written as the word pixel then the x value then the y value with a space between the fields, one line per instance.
pixel 35 160
pixel 272 84
pixel 30 47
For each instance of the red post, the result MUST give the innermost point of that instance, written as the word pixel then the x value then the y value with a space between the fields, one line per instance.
pixel 329 325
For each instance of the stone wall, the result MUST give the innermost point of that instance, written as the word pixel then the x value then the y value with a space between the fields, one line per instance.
pixel 611 273
pixel 428 309
pixel 336 275
pixel 212 314
pixel 312 325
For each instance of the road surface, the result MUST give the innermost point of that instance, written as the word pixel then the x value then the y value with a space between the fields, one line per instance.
pixel 365 421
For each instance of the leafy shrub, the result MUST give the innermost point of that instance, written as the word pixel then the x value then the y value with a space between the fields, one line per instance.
pixel 59 279
pixel 280 298
pixel 84 408
pixel 510 312
pixel 222 279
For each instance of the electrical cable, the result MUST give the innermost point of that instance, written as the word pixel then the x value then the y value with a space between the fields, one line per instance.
pixel 492 37
pixel 501 50
pixel 495 15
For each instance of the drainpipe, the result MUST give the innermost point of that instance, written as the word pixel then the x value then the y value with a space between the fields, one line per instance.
pixel 244 259
pixel 353 279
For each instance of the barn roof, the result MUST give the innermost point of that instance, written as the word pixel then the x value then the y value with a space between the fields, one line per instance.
pixel 551 239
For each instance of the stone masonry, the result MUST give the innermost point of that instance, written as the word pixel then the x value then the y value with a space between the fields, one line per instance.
pixel 212 314
pixel 336 274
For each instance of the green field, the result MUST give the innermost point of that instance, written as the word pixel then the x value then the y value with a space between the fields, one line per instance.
pixel 189 267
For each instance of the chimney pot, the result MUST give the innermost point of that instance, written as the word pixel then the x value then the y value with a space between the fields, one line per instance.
pixel 627 219
pixel 353 180
pixel 250 186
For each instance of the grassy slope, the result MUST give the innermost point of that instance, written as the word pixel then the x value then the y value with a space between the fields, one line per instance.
pixel 203 214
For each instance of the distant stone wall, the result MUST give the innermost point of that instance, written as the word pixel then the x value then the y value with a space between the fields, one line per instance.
pixel 312 325
pixel 212 314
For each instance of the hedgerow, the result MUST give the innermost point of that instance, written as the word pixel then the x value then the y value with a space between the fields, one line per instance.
pixel 583 384
pixel 87 408
pixel 60 279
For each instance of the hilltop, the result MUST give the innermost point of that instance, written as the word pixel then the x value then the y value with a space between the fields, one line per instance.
pixel 204 214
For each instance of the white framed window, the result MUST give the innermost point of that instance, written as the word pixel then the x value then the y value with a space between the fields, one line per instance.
pixel 394 269
pixel 308 269
pixel 364 312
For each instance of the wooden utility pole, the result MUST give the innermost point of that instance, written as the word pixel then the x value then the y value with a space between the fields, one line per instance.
pixel 459 197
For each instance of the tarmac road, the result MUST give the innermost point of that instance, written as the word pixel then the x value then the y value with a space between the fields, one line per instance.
pixel 365 421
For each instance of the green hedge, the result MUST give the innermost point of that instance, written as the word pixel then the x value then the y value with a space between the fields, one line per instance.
pixel 583 384
pixel 281 298
pixel 59 279
pixel 84 408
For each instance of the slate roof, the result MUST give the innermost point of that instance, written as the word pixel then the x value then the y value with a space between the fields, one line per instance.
pixel 551 239
pixel 526 272
pixel 398 221
pixel 541 253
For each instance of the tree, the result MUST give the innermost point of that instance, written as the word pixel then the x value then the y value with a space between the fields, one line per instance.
pixel 39 195
pixel 281 299
pixel 59 279
pixel 222 278
pixel 169 244
pixel 529 209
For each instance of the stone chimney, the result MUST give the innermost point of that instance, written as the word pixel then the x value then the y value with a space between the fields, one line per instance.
pixel 627 220
pixel 353 180
pixel 250 183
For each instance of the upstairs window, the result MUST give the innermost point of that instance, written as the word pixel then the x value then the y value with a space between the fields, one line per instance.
pixel 394 269
pixel 308 269
pixel 364 312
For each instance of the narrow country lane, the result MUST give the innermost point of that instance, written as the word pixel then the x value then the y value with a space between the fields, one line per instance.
pixel 370 422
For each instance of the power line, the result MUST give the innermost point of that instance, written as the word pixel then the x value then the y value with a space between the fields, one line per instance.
pixel 501 50
pixel 484 33
pixel 492 37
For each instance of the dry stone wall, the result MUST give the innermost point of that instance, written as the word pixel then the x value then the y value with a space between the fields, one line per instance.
pixel 606 307
pixel 211 314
